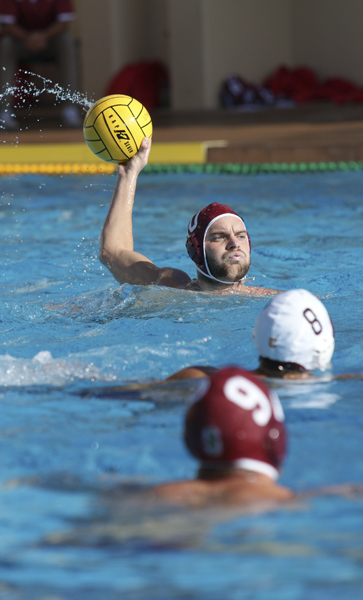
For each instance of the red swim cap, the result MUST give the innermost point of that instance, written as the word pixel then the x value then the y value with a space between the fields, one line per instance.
pixel 236 420
pixel 197 230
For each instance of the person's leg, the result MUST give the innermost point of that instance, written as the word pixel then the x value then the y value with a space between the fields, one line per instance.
pixel 65 48
pixel 10 54
pixel 9 60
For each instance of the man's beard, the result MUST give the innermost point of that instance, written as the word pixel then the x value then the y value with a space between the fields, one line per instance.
pixel 227 271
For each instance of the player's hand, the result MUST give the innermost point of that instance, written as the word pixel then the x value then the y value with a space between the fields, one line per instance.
pixel 36 41
pixel 137 162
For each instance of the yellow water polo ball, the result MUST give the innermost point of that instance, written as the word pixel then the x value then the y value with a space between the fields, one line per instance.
pixel 115 126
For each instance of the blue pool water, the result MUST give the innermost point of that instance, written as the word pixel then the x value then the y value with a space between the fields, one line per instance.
pixel 73 453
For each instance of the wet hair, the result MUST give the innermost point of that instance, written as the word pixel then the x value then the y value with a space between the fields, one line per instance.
pixel 280 367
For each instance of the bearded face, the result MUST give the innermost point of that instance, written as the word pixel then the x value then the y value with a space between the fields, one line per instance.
pixel 227 249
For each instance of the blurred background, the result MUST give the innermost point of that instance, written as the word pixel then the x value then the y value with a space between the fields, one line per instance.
pixel 201 42
pixel 213 69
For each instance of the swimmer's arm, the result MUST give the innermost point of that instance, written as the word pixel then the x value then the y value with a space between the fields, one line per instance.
pixel 347 490
pixel 345 376
pixel 117 244
pixel 192 373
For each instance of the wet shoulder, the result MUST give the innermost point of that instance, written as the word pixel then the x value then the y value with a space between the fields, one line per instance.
pixel 197 493
pixel 193 286
pixel 192 372
pixel 257 291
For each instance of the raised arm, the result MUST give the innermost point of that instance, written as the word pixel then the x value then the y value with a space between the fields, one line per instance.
pixel 117 245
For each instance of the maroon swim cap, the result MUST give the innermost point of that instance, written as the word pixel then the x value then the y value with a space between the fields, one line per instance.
pixel 236 420
pixel 197 230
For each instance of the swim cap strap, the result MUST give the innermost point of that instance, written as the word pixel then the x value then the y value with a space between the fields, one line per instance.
pixel 249 464
pixel 196 234
pixel 210 276
pixel 257 465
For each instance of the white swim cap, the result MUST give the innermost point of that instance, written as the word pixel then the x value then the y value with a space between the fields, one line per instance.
pixel 295 327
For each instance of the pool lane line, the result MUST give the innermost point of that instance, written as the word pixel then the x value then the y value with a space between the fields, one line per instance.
pixel 58 168
pixel 103 168
pixel 256 168
pixel 166 157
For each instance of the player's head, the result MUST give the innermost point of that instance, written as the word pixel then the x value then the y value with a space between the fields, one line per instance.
pixel 213 217
pixel 294 333
pixel 235 421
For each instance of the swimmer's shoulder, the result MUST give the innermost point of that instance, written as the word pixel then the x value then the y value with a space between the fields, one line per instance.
pixel 193 286
pixel 257 290
pixel 174 278
pixel 193 372
pixel 240 492
pixel 233 494
pixel 179 279
pixel 242 289
pixel 191 493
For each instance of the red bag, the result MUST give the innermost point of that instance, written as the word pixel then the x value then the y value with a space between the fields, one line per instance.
pixel 147 81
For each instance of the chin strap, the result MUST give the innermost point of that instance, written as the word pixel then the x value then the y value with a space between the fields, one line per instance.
pixel 210 276
pixel 258 466
pixel 249 464
pixel 215 278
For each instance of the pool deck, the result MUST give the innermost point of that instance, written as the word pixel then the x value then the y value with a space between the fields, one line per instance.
pixel 310 133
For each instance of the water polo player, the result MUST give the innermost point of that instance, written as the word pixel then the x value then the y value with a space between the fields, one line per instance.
pixel 235 428
pixel 217 242
pixel 294 337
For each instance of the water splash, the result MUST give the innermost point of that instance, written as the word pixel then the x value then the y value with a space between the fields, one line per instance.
pixel 43 369
pixel 27 90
